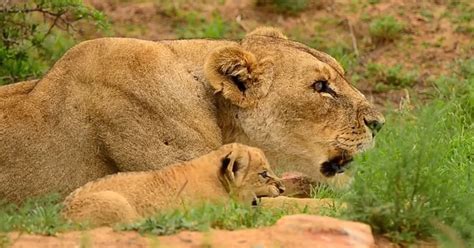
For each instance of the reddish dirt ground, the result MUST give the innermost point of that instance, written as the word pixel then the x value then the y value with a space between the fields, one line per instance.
pixel 302 231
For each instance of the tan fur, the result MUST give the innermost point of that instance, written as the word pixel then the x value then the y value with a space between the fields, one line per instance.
pixel 118 104
pixel 234 170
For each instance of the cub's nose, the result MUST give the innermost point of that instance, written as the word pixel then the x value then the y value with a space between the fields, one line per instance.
pixel 374 124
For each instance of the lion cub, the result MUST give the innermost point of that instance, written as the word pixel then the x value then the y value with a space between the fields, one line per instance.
pixel 232 171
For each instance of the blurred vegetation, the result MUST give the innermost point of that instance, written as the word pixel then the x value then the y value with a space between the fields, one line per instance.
pixel 35 33
pixel 193 25
pixel 387 78
pixel 464 20
pixel 41 215
pixel 417 182
pixel 285 6
pixel 384 29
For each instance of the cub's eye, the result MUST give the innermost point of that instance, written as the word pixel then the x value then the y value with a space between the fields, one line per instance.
pixel 320 86
pixel 263 174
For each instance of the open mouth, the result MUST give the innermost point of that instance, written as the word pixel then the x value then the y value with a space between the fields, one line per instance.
pixel 335 165
pixel 257 199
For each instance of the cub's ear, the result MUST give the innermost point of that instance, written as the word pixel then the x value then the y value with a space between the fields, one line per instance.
pixel 237 75
pixel 232 170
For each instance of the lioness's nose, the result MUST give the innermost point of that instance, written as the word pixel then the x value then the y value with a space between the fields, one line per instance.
pixel 374 124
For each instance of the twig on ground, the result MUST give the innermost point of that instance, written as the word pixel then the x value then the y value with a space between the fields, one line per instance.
pixel 354 40
pixel 238 19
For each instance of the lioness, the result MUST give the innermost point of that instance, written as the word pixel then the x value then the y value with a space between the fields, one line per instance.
pixel 234 170
pixel 118 104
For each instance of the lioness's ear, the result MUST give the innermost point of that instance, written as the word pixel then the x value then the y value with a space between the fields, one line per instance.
pixel 237 75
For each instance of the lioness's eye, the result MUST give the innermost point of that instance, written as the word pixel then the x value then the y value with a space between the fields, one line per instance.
pixel 320 86
pixel 263 174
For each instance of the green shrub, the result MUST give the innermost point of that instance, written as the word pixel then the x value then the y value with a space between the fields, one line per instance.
pixel 35 33
pixel 418 181
pixel 385 28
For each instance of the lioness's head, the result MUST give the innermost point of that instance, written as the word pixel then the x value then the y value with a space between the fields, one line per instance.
pixel 246 174
pixel 292 101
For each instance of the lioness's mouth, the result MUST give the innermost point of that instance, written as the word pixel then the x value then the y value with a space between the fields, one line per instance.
pixel 335 165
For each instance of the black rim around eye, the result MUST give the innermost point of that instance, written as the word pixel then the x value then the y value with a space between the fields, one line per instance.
pixel 263 174
pixel 320 86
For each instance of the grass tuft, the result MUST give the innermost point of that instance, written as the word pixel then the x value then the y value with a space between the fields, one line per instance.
pixel 41 216
pixel 385 29
pixel 387 78
pixel 193 25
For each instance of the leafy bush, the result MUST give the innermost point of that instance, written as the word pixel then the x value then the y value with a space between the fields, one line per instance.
pixel 418 182
pixel 35 33
pixel 385 28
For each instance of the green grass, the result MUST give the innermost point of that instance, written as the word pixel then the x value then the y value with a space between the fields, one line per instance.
pixel 230 217
pixel 40 216
pixel 418 181
pixel 344 55
pixel 193 25
pixel 392 77
pixel 385 29
pixel 461 14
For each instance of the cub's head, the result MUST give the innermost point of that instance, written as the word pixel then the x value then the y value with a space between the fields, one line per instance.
pixel 246 173
pixel 292 101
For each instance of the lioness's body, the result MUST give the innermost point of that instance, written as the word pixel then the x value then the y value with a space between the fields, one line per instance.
pixel 117 104
pixel 127 196
pixel 80 123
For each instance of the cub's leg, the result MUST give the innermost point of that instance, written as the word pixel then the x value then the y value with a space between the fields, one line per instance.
pixel 100 208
